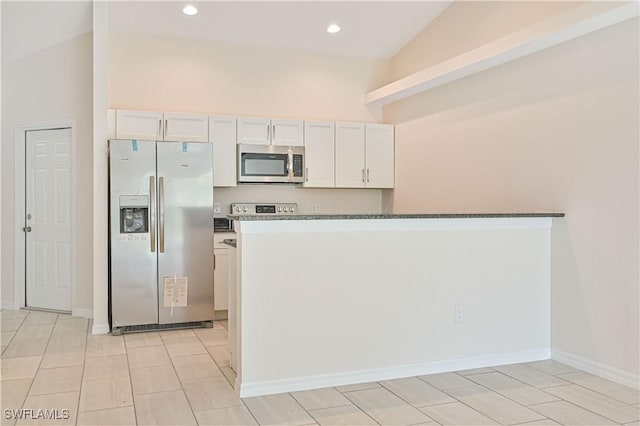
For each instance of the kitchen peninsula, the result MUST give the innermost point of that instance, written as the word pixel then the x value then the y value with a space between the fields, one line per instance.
pixel 326 300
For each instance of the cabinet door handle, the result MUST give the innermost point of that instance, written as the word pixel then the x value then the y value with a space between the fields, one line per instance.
pixel 214 262
pixel 306 174
pixel 268 132
pixel 166 127
pixel 160 127
pixel 367 175
pixel 273 133
pixel 362 175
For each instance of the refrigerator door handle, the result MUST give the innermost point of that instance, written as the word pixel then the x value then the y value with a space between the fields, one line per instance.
pixel 161 207
pixel 152 212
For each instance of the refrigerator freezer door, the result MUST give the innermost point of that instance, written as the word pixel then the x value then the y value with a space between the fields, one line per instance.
pixel 185 230
pixel 134 290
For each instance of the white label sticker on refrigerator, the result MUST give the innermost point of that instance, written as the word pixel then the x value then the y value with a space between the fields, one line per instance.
pixel 175 291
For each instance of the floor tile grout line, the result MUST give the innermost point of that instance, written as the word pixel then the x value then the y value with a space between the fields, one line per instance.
pixel 35 374
pixel 578 406
pixel 524 383
pixel 362 409
pixel 84 360
pixel 193 413
pixel 227 379
pixel 133 398
pixel 592 390
pixel 405 401
pixel 551 374
pixel 491 391
pixel 591 410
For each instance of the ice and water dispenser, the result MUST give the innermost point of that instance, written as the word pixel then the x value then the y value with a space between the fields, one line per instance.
pixel 134 214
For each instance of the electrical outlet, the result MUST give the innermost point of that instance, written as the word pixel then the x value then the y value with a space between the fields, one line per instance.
pixel 458 313
pixel 217 208
pixel 317 209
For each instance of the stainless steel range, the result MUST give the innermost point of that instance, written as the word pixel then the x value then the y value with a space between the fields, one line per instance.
pixel 247 209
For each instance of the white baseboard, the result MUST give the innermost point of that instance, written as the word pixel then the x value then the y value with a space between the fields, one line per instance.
pixel 100 329
pixel 8 304
pixel 606 371
pixel 388 373
pixel 81 312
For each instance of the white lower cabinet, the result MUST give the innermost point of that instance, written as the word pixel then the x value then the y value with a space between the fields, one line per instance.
pixel 221 279
pixel 319 154
pixel 221 271
pixel 222 134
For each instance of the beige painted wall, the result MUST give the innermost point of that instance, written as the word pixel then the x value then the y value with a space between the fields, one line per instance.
pixel 49 84
pixel 555 131
pixel 178 74
pixel 465 25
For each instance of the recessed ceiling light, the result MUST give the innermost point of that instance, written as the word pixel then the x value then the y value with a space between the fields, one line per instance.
pixel 190 10
pixel 333 28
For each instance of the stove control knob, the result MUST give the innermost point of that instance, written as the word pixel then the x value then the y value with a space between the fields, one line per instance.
pixel 244 209
pixel 238 209
pixel 279 209
pixel 291 209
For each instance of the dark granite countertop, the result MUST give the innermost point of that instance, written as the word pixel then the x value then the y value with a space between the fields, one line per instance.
pixel 390 216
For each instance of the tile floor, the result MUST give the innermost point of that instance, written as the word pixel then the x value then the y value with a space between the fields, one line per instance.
pixel 183 377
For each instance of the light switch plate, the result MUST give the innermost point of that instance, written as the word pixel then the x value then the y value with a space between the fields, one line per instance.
pixel 217 208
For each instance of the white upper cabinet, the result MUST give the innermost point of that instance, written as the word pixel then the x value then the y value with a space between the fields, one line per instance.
pixel 145 125
pixel 364 155
pixel 157 126
pixel 319 154
pixel 222 134
pixel 379 155
pixel 256 131
pixel 287 132
pixel 263 131
pixel 186 127
pixel 350 166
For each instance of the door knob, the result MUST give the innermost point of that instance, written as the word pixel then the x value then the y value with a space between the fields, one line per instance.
pixel 27 229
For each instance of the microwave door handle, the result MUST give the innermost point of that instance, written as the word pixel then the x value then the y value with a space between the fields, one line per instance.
pixel 290 164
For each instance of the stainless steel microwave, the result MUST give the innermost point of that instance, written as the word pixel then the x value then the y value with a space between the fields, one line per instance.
pixel 270 164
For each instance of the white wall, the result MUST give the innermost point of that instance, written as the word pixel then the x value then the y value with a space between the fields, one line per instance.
pixel 555 131
pixel 354 301
pixel 46 75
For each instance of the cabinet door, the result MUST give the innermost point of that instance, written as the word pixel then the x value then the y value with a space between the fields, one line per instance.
pixel 287 132
pixel 145 125
pixel 221 280
pixel 379 155
pixel 254 130
pixel 350 167
pixel 222 133
pixel 186 127
pixel 319 154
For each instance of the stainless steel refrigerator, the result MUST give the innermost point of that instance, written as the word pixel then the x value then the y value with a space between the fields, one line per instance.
pixel 161 234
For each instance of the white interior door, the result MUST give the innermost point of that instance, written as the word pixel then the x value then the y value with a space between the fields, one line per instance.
pixel 48 219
